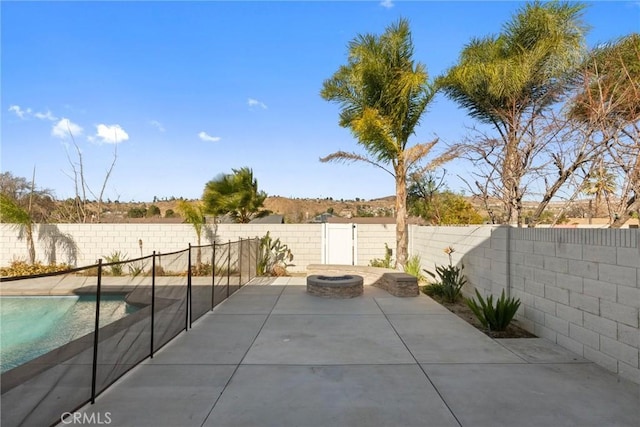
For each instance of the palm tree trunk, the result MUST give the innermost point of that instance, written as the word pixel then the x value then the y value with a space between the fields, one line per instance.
pixel 401 216
pixel 30 244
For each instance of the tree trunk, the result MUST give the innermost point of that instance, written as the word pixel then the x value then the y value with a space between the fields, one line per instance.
pixel 401 215
pixel 30 244
pixel 624 216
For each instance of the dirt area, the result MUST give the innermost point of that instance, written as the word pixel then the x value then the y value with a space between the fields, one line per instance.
pixel 464 312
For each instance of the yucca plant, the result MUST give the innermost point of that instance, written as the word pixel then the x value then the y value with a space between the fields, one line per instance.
pixel 494 318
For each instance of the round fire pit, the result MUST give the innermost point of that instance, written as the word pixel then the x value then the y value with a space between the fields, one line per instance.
pixel 346 286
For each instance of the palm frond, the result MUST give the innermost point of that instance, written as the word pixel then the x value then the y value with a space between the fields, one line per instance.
pixel 345 157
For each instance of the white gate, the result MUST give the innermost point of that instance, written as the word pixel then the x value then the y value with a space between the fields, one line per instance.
pixel 340 244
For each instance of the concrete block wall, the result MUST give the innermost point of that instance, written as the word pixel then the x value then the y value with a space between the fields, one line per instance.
pixel 480 249
pixel 371 239
pixel 581 289
pixel 96 241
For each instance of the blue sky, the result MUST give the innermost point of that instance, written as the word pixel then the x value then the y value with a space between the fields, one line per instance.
pixel 188 90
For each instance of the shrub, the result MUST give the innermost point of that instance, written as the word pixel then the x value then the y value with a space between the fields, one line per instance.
pixel 115 257
pixel 202 269
pixel 495 318
pixel 387 262
pixel 169 213
pixel 413 267
pixel 137 269
pixel 22 268
pixel 137 213
pixel 451 281
pixel 152 211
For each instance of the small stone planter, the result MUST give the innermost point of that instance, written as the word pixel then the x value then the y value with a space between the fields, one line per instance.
pixel 346 286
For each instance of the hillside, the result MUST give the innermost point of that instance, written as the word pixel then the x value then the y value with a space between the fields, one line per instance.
pixel 294 210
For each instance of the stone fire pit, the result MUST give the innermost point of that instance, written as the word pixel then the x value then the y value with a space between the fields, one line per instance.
pixel 345 286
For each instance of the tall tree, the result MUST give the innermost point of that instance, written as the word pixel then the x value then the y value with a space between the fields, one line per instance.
pixel 607 108
pixel 508 82
pixel 383 93
pixel 193 213
pixel 236 195
pixel 24 206
pixel 20 218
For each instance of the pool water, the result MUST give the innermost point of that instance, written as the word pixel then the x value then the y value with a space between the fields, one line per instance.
pixel 33 326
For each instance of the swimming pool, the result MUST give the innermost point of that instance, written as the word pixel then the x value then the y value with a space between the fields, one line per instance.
pixel 33 326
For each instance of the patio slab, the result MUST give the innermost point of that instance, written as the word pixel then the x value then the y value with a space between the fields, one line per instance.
pixel 322 396
pixel 327 340
pixel 444 338
pixel 421 304
pixel 296 300
pixel 163 395
pixel 536 395
pixel 300 361
pixel 539 350
pixel 218 339
pixel 249 303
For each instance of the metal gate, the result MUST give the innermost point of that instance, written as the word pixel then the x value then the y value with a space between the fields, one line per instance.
pixel 340 244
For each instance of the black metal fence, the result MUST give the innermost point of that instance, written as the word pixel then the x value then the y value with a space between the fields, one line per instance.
pixel 122 313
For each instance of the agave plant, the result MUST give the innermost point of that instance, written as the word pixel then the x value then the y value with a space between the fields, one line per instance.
pixel 494 318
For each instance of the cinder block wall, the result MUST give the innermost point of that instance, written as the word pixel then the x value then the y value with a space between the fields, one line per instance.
pixel 371 240
pixel 481 250
pixel 96 241
pixel 581 289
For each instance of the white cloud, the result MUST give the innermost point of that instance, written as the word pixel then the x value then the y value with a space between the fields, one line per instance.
pixel 387 4
pixel 19 111
pixel 64 127
pixel 205 137
pixel 156 124
pixel 111 134
pixel 45 116
pixel 28 112
pixel 255 103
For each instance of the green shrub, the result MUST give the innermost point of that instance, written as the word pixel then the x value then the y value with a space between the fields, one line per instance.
pixel 115 257
pixel 169 213
pixel 137 213
pixel 137 269
pixel 22 268
pixel 387 262
pixel 413 267
pixel 495 318
pixel 450 283
pixel 152 211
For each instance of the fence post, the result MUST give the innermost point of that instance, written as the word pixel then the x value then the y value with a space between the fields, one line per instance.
pixel 240 263
pixel 213 277
pixel 188 305
pixel 94 372
pixel 153 298
pixel 257 253
pixel 228 267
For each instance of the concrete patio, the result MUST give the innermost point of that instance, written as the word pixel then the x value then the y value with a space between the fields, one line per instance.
pixel 272 355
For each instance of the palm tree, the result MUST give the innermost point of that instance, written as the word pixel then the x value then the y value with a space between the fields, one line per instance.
pixel 383 94
pixel 236 195
pixel 11 212
pixel 507 81
pixel 608 107
pixel 193 213
pixel 602 183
